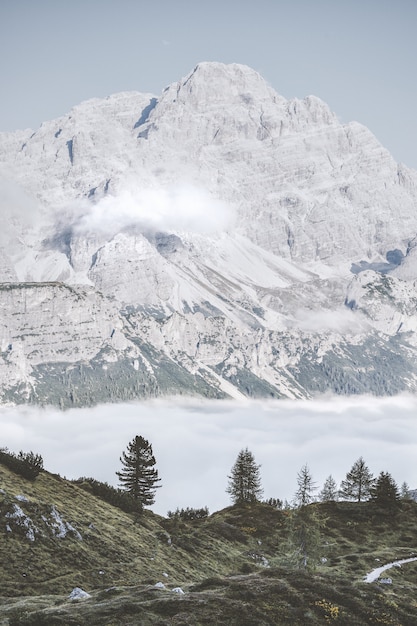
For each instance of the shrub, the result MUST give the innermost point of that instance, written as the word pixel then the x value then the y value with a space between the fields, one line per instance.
pixel 189 513
pixel 26 464
pixel 329 611
pixel 276 503
pixel 116 497
pixel 32 464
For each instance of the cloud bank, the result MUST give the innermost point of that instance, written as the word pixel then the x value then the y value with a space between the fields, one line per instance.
pixel 183 208
pixel 342 320
pixel 196 442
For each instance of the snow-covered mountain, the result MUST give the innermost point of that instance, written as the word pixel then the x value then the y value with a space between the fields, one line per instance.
pixel 217 240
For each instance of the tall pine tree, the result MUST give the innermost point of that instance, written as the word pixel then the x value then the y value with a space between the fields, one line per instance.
pixel 138 476
pixel 358 482
pixel 385 491
pixel 244 480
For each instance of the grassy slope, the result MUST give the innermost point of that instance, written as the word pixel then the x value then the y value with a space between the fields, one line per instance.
pixel 219 562
pixel 114 549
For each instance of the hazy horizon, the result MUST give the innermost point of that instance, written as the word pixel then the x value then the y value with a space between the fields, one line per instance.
pixel 196 441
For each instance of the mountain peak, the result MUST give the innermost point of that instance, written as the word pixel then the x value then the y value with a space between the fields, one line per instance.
pixel 249 306
pixel 213 81
pixel 208 69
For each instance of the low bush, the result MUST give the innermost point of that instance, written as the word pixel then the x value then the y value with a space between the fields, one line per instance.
pixel 116 497
pixel 189 513
pixel 26 464
pixel 276 503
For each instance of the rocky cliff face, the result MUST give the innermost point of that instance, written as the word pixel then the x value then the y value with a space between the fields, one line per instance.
pixel 217 240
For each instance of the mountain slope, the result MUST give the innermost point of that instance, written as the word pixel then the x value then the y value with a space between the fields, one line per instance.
pixel 58 535
pixel 234 240
pixel 233 566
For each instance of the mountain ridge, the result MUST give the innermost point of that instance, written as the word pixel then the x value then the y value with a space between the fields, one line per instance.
pixel 259 226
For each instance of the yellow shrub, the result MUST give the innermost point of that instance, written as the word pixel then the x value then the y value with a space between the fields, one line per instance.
pixel 330 611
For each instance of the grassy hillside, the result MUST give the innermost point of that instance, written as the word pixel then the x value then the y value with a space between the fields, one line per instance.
pixel 234 567
pixel 106 546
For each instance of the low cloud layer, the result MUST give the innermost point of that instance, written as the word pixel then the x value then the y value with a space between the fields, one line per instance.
pixel 183 208
pixel 341 320
pixel 196 443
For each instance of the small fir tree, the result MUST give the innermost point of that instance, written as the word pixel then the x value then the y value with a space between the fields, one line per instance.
pixel 305 535
pixel 358 482
pixel 405 492
pixel 244 480
pixel 385 491
pixel 306 487
pixel 305 522
pixel 329 493
pixel 138 476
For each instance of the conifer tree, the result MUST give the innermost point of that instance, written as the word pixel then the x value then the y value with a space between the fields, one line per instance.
pixel 244 480
pixel 358 482
pixel 329 493
pixel 305 521
pixel 138 476
pixel 306 487
pixel 405 491
pixel 385 491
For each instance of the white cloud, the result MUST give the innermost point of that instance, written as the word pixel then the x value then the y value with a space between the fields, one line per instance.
pixel 181 208
pixel 196 443
pixel 342 320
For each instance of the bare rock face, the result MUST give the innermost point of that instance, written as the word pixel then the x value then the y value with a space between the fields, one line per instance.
pixel 218 240
pixel 407 269
pixel 47 323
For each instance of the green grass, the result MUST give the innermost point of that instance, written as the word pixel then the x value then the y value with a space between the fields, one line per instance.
pixel 220 562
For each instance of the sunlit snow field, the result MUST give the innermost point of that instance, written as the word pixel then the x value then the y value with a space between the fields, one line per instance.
pixel 196 442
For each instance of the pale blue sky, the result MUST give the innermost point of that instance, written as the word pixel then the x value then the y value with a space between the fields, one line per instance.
pixel 359 56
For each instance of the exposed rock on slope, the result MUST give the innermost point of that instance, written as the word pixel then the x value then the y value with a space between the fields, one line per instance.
pixel 217 240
